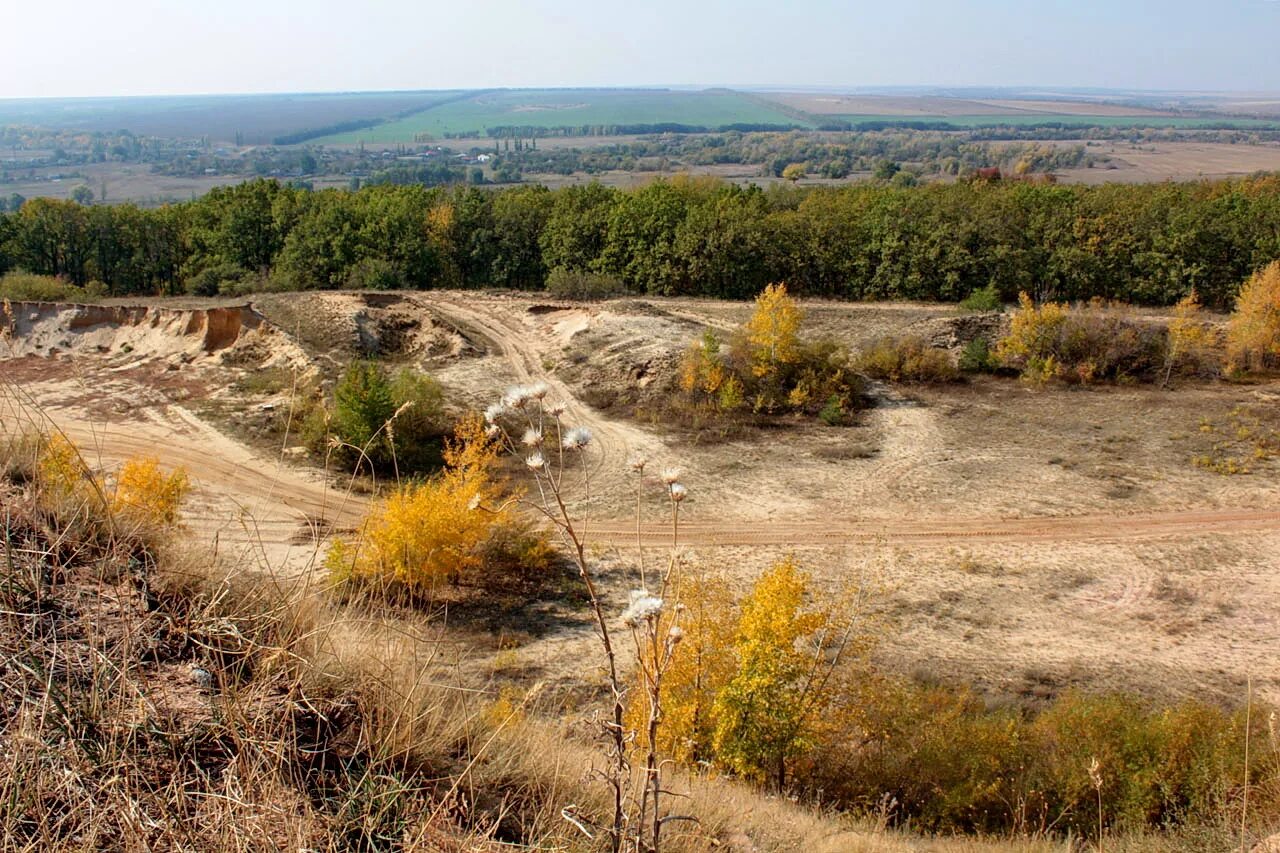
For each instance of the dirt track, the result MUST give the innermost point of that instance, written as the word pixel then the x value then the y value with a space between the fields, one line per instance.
pixel 279 506
pixel 243 497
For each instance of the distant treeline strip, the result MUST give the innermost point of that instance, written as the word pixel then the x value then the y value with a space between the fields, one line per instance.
pixel 1148 244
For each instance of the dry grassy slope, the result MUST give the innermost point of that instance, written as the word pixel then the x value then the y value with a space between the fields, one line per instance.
pixel 1033 539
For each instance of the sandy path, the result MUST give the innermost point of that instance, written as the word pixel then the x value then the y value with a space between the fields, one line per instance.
pixel 245 498
pixel 241 496
pixel 615 442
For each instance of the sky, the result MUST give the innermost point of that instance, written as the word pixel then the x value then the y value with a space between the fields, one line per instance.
pixel 148 47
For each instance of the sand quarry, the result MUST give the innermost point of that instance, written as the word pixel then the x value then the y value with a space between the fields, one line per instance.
pixel 1026 540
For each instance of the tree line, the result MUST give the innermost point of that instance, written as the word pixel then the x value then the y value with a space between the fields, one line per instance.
pixel 1148 244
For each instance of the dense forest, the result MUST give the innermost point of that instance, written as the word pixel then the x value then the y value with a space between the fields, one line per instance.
pixel 1147 244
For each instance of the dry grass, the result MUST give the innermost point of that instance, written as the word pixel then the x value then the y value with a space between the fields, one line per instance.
pixel 343 725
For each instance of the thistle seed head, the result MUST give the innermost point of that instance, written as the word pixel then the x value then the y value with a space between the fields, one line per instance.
pixel 643 608
pixel 577 438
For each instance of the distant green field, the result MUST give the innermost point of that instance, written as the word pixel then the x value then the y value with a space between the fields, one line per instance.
pixel 572 107
pixel 1033 119
pixel 257 118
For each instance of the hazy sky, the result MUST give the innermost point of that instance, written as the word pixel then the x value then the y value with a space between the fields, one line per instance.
pixel 132 47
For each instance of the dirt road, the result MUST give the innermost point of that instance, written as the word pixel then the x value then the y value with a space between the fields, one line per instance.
pixel 243 497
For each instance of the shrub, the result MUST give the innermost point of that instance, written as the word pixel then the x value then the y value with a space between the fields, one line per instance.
pixel 953 764
pixel 768 366
pixel 146 495
pixel 60 472
pixel 389 422
pixel 977 357
pixel 906 359
pixel 1253 333
pixel 696 675
pixel 428 533
pixel 984 299
pixel 375 274
pixel 564 283
pixel 25 287
pixel 1081 344
pixel 1191 346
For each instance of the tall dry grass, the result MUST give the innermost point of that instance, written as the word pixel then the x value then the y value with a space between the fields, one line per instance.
pixel 156 697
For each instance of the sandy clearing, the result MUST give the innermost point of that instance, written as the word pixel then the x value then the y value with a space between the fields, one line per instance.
pixel 1006 560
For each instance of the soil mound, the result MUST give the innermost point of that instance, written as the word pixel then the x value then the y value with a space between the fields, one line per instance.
pixel 137 334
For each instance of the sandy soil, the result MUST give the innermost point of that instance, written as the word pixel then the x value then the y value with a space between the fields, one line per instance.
pixel 1030 540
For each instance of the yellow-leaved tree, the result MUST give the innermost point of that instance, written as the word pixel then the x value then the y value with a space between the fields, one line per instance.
pixel 425 533
pixel 695 676
pixel 1191 339
pixel 1253 334
pixel 783 653
pixel 773 332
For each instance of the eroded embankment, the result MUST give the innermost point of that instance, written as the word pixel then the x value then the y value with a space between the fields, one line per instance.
pixel 144 333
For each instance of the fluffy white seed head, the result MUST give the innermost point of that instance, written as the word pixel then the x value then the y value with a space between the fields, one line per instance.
pixel 678 492
pixel 637 463
pixel 675 635
pixel 536 461
pixel 538 390
pixel 517 397
pixel 532 438
pixel 577 438
pixel 643 608
pixel 555 409
pixel 670 475
pixel 494 412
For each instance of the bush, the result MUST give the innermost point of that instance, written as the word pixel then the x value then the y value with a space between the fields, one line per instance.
pixel 1253 334
pixel 21 286
pixel 985 299
pixel 430 533
pixel 145 495
pixel 906 359
pixel 564 283
pixel 1081 344
pixel 977 357
pixel 1193 344
pixel 953 764
pixel 375 274
pixel 391 423
pixel 768 367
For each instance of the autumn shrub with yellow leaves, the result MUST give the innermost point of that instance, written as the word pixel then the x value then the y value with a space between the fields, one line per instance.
pixel 141 499
pixel 145 494
pixel 431 532
pixel 1081 344
pixel 759 682
pixel 767 367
